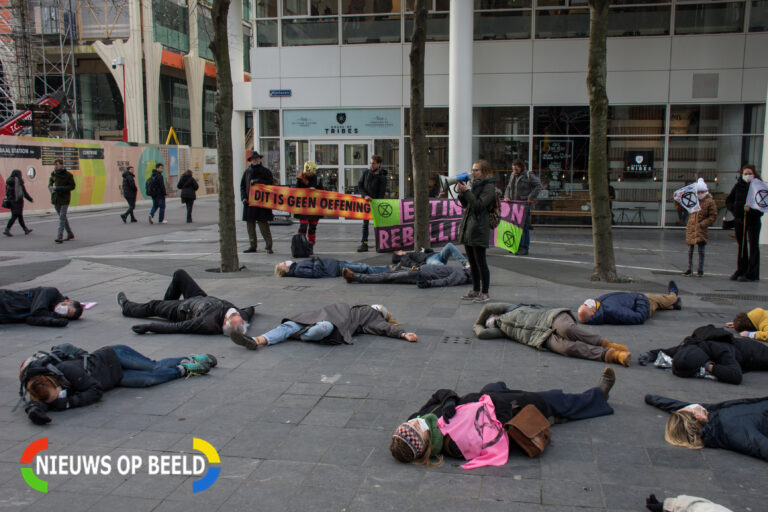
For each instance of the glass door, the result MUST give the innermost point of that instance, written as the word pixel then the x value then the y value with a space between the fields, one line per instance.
pixel 340 164
pixel 326 156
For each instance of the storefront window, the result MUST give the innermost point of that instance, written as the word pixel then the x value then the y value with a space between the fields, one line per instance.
pixel 562 23
pixel 500 153
pixel 369 6
pixel 561 164
pixel 636 119
pixel 500 25
pixel 435 120
pixel 716 119
pixel 758 16
pixel 270 151
pixel 636 175
pixel 310 31
pixel 296 153
pixel 709 18
pixel 370 29
pixel 561 120
pixel 437 26
pixel 437 160
pixel 500 120
pixel 639 21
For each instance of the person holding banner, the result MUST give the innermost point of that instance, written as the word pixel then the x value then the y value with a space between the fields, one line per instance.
pixel 252 215
pixel 747 224
pixel 308 179
pixel 372 185
pixel 696 231
pixel 523 186
pixel 475 229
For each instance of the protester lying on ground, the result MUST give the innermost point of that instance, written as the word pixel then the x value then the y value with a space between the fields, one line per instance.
pixel 554 329
pixel 429 257
pixel 197 313
pixel 711 353
pixel 315 268
pixel 83 379
pixel 751 325
pixel 739 425
pixel 426 276
pixel 627 308
pixel 333 325
pixel 471 427
pixel 44 307
pixel 683 503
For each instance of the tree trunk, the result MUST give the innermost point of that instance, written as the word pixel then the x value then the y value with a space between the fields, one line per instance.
pixel 602 238
pixel 223 120
pixel 418 138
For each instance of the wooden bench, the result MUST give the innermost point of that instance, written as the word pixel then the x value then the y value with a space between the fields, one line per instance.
pixel 556 213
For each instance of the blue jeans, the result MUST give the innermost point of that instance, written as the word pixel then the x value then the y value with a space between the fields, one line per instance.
pixel 61 211
pixel 448 252
pixel 287 329
pixel 139 371
pixel 158 203
pixel 525 241
pixel 362 268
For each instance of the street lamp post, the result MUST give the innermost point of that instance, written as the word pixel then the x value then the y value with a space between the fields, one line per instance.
pixel 120 61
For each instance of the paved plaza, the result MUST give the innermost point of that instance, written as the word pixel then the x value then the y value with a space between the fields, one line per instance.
pixel 306 427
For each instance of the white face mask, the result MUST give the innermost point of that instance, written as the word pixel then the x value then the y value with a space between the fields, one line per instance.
pixel 288 263
pixel 590 303
pixel 490 322
pixel 748 177
pixel 61 309
pixel 377 307
pixel 423 424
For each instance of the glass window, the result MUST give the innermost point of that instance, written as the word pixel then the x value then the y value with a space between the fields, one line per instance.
pixel 437 160
pixel 502 25
pixel 500 120
pixel 99 104
pixel 437 27
pixel 561 164
pixel 313 8
pixel 204 32
pixel 561 120
pixel 174 108
pixel 635 169
pixel 92 15
pixel 295 8
pixel 370 29
pixel 389 150
pixel 171 24
pixel 246 10
pixel 636 119
pixel 310 31
pixel 209 125
pixel 438 5
pixel 369 6
pixel 247 42
pixel 758 16
pixel 562 23
pixel 435 120
pixel 266 33
pixel 266 8
pixel 709 18
pixel 269 123
pixel 639 21
pixel 296 153
pixel 501 4
pixel 715 119
pixel 500 153
pixel 270 151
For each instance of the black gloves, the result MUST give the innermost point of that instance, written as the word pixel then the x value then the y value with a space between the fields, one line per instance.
pixel 653 504
pixel 59 404
pixel 36 412
pixel 644 358
pixel 449 409
pixel 140 329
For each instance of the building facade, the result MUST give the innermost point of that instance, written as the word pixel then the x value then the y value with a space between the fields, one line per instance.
pixel 507 78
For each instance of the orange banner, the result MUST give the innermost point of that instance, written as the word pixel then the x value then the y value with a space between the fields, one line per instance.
pixel 308 201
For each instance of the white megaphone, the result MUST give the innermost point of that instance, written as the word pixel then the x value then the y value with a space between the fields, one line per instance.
pixel 447 181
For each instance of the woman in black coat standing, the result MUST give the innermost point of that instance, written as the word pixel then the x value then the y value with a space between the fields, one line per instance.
pixel 188 185
pixel 16 193
pixel 747 227
pixel 475 230
pixel 129 190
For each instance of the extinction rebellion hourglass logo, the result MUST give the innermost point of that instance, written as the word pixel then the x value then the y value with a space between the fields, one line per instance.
pixel 44 464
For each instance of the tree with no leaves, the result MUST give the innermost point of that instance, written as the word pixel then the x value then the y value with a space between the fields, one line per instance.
pixel 418 138
pixel 223 119
pixel 602 237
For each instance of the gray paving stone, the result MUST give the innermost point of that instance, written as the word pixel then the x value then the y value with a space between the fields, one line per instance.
pixel 308 497
pixel 571 493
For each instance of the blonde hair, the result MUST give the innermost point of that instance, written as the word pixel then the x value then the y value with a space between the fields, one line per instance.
pixel 310 167
pixel 485 168
pixel 683 429
pixel 402 452
pixel 391 320
pixel 280 270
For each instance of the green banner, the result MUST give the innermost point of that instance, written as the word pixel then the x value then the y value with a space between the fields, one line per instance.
pixel 508 236
pixel 386 212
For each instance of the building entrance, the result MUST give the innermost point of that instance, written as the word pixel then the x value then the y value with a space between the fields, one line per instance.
pixel 340 164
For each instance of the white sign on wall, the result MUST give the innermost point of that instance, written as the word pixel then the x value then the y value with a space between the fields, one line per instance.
pixel 343 122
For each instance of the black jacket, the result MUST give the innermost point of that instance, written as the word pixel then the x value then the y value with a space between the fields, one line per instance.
pixel 156 185
pixel 255 174
pixel 315 268
pixel 373 184
pixel 475 229
pixel 740 425
pixel 16 203
pixel 737 199
pixel 33 306
pixel 188 185
pixel 88 378
pixel 308 181
pixel 63 183
pixel 427 276
pixel 129 185
pixel 197 315
pixel 412 259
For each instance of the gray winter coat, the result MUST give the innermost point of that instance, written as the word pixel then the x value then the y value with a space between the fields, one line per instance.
pixel 525 187
pixel 527 324
pixel 349 321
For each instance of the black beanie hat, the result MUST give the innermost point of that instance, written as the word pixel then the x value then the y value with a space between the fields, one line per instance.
pixel 688 360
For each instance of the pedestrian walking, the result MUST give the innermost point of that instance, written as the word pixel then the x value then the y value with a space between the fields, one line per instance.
pixel 523 186
pixel 252 215
pixel 156 190
pixel 475 229
pixel 188 186
pixel 60 185
pixel 129 190
pixel 308 179
pixel 372 185
pixel 747 227
pixel 15 193
pixel 697 229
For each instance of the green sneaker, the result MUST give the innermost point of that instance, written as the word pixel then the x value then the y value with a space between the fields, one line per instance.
pixel 194 369
pixel 206 359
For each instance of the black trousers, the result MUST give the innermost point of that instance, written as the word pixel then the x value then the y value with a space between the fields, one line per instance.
pixel 399 277
pixel 189 203
pixel 182 285
pixel 478 266
pixel 131 206
pixel 14 216
pixel 748 259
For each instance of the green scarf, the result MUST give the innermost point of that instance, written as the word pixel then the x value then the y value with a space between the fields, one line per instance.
pixel 435 436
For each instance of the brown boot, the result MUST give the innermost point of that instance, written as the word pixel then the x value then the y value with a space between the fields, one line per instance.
pixel 607 380
pixel 617 346
pixel 618 357
pixel 349 276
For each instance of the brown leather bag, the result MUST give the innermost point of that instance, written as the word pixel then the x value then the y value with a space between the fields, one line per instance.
pixel 530 430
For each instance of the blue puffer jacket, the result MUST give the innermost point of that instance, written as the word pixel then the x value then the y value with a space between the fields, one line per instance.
pixel 621 308
pixel 742 428
pixel 315 268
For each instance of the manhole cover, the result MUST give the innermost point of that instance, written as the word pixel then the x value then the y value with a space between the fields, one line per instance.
pixel 456 339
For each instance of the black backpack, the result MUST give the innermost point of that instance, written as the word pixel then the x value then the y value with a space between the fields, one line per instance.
pixel 44 363
pixel 300 246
